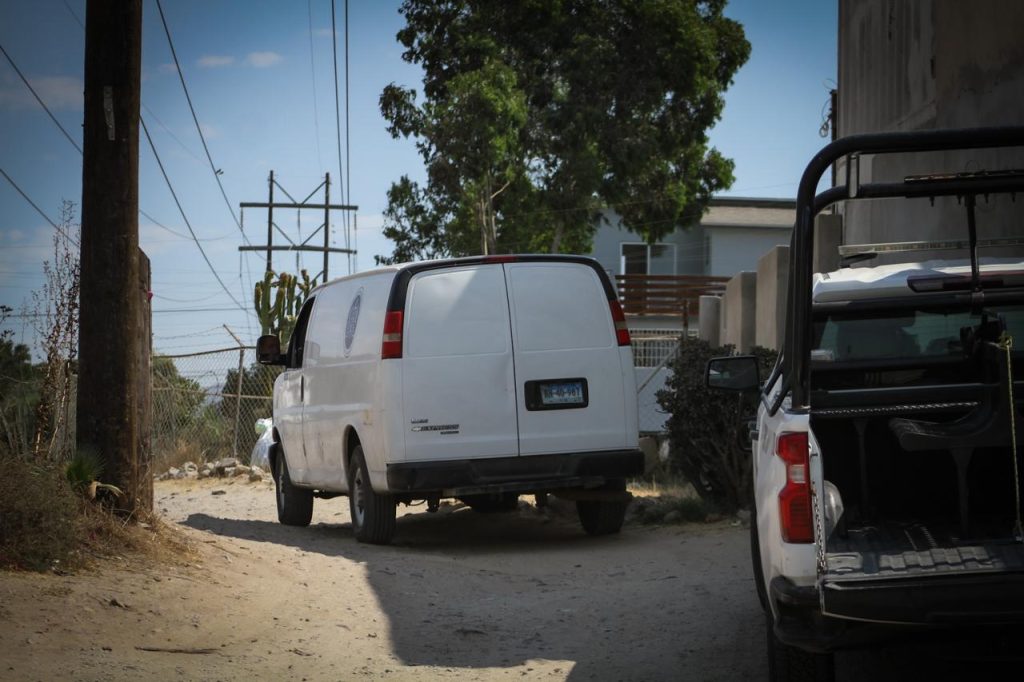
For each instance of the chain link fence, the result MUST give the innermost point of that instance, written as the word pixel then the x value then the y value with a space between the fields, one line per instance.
pixel 205 405
pixel 652 349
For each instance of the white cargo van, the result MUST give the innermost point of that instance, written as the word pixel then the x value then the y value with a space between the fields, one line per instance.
pixel 476 378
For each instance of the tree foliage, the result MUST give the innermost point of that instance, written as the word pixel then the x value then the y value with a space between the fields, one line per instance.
pixel 710 441
pixel 534 115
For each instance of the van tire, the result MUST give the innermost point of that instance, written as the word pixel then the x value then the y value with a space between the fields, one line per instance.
pixel 373 513
pixel 603 517
pixel 790 664
pixel 294 505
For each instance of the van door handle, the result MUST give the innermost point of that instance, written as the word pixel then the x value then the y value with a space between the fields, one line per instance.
pixel 302 389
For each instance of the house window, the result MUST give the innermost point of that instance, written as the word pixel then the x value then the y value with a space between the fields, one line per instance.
pixel 648 259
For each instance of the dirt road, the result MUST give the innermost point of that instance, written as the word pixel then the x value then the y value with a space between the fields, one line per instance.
pixel 459 595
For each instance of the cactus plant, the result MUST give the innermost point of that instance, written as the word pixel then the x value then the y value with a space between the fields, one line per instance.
pixel 289 294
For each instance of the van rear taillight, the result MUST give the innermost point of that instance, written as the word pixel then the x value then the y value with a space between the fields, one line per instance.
pixel 621 330
pixel 391 346
pixel 795 499
pixel 500 259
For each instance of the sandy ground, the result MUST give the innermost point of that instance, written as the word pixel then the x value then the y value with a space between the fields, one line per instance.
pixel 459 595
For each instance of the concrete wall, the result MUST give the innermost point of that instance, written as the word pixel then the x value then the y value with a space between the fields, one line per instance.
pixel 922 65
pixel 739 312
pixel 770 298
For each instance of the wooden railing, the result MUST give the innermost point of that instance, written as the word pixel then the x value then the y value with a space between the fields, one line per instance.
pixel 672 295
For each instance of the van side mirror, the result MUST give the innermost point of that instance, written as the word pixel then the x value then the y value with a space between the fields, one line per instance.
pixel 268 350
pixel 733 373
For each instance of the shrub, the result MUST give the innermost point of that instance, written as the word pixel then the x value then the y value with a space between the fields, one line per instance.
pixel 39 515
pixel 710 442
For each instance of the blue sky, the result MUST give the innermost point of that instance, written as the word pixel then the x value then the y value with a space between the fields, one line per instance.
pixel 254 70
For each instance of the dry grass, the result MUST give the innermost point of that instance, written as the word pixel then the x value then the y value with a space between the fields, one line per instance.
pixel 45 525
pixel 666 487
pixel 177 454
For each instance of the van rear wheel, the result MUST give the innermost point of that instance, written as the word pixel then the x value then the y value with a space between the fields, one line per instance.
pixel 603 517
pixel 294 505
pixel 373 513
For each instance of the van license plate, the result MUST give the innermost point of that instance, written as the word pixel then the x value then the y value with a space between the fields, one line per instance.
pixel 562 393
pixel 556 394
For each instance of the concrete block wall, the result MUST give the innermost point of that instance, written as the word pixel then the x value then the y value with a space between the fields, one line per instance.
pixel 770 298
pixel 739 312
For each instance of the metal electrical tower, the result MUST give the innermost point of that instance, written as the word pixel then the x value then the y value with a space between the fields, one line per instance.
pixel 304 245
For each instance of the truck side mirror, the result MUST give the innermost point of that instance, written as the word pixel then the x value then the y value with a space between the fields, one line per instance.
pixel 733 373
pixel 268 350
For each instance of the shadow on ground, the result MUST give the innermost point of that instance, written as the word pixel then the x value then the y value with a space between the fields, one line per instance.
pixel 647 604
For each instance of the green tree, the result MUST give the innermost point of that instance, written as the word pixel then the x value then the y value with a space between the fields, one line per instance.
pixel 537 114
pixel 19 397
pixel 177 398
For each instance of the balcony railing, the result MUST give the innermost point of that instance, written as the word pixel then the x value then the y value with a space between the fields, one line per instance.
pixel 668 295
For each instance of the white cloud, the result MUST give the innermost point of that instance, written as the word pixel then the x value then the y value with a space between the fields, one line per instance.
pixel 167 68
pixel 59 92
pixel 214 61
pixel 262 60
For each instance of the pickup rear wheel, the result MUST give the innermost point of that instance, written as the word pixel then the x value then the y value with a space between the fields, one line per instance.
pixel 790 664
pixel 294 505
pixel 373 513
pixel 603 517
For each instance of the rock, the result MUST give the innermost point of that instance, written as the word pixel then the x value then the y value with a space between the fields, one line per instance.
pixel 255 476
pixel 227 471
pixel 242 469
pixel 743 515
pixel 173 472
pixel 222 464
pixel 203 473
pixel 674 516
pixel 189 466
pixel 219 492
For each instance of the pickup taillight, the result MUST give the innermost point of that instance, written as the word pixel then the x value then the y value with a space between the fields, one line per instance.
pixel 795 513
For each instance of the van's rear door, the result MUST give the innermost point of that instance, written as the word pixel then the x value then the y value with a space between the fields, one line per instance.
pixel 459 398
pixel 571 374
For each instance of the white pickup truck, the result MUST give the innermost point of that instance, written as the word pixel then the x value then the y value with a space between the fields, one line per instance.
pixel 887 463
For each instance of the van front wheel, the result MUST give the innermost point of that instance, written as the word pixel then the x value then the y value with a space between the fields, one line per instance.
pixel 373 514
pixel 294 505
pixel 603 517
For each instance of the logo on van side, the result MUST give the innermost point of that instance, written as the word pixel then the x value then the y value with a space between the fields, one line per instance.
pixel 353 319
pixel 443 429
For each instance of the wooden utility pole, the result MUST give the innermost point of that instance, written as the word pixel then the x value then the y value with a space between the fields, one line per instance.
pixel 109 377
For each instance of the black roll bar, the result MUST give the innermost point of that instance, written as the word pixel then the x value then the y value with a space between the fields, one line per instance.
pixel 797 344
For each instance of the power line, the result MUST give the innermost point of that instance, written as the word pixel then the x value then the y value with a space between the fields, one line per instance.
pixel 337 123
pixel 202 138
pixel 39 99
pixel 181 77
pixel 174 137
pixel 39 210
pixel 348 157
pixel 312 69
pixel 185 218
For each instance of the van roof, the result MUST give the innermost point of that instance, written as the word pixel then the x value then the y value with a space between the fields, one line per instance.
pixel 417 266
